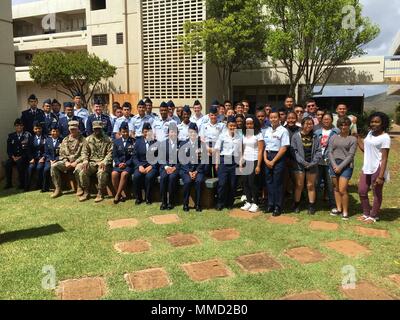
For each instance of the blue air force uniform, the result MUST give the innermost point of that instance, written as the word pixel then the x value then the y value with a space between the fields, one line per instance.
pixel 64 128
pixel 144 181
pixel 51 153
pixel 105 119
pixel 123 153
pixel 194 152
pixel 30 116
pixel 50 119
pixel 17 146
pixel 229 148
pixel 36 152
pixel 168 157
pixel 138 122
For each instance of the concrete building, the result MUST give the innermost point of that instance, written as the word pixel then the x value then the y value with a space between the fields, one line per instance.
pixel 8 94
pixel 139 37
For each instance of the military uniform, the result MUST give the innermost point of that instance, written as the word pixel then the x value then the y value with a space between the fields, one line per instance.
pixel 17 146
pixel 70 151
pixel 30 116
pixel 138 123
pixel 107 125
pixel 51 153
pixel 35 154
pixel 96 151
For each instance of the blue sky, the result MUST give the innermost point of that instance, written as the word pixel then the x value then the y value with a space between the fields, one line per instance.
pixel 385 13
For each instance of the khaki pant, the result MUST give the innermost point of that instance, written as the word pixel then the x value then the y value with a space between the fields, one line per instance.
pixel 83 177
pixel 57 169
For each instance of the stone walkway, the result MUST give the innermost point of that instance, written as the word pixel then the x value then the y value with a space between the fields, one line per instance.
pixel 210 270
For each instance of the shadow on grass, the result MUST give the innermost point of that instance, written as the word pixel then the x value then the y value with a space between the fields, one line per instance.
pixel 32 233
pixel 390 214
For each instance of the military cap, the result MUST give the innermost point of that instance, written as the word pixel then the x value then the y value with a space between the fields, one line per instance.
pixel 141 103
pixel 148 100
pixel 97 125
pixel 124 126
pixel 47 101
pixel 215 103
pixel 77 94
pixel 173 127
pixel 163 105
pixel 197 103
pixel 186 109
pixel 18 122
pixel 32 97
pixel 213 109
pixel 54 126
pixel 231 119
pixel 193 126
pixel 98 101
pixel 37 123
pixel 68 105
pixel 146 126
pixel 73 124
pixel 170 104
pixel 55 101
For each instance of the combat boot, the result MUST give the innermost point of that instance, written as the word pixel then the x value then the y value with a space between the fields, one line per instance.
pixel 99 197
pixel 57 193
pixel 79 192
pixel 84 197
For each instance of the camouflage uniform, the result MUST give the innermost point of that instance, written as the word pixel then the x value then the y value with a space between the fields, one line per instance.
pixel 70 151
pixel 96 151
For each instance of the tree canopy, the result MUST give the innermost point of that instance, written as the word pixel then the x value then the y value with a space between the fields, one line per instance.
pixel 310 38
pixel 233 35
pixel 71 72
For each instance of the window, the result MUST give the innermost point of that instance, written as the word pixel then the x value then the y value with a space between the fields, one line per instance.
pixel 120 38
pixel 98 4
pixel 99 40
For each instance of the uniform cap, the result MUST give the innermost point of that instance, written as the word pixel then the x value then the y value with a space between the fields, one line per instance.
pixel 97 125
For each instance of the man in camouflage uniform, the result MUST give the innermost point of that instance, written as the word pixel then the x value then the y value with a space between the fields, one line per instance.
pixel 70 157
pixel 97 158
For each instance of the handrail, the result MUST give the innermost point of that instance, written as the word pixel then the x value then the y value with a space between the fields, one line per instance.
pixel 51 36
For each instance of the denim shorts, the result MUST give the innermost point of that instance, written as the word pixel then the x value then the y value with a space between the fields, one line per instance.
pixel 347 172
pixel 298 168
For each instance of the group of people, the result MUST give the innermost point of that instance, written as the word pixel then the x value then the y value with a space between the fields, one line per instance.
pixel 267 153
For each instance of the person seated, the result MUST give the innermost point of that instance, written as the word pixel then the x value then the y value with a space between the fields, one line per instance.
pixel 17 151
pixel 51 154
pixel 36 156
pixel 123 162
pixel 145 173
pixel 193 172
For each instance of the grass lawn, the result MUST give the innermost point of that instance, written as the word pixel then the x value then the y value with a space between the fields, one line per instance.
pixel 82 245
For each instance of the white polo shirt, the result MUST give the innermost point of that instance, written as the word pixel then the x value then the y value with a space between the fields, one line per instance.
pixel 276 139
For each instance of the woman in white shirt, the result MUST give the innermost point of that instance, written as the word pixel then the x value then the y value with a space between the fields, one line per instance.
pixel 376 147
pixel 251 161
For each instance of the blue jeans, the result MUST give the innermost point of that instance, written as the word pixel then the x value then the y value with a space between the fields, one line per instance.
pixel 274 180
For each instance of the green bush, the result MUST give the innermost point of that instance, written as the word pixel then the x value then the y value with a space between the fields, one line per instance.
pixel 397 115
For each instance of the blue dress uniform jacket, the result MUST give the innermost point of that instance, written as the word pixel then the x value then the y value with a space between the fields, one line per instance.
pixel 36 152
pixel 17 147
pixel 51 153
pixel 49 119
pixel 194 153
pixel 144 181
pixel 168 156
pixel 63 124
pixel 123 154
pixel 29 116
pixel 107 126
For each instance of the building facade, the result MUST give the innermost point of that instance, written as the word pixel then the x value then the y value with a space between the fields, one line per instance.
pixel 139 37
pixel 8 94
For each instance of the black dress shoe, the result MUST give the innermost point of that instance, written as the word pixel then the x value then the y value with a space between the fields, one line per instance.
pixel 220 208
pixel 311 210
pixel 20 187
pixel 270 210
pixel 199 209
pixel 123 199
pixel 163 207
pixel 149 202
pixel 116 201
pixel 186 208
pixel 9 186
pixel 170 207
pixel 44 191
pixel 277 212
pixel 138 201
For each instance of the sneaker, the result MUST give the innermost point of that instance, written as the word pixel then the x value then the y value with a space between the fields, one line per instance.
pixel 335 212
pixel 243 198
pixel 363 218
pixel 254 208
pixel 246 207
pixel 370 220
pixel 345 217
